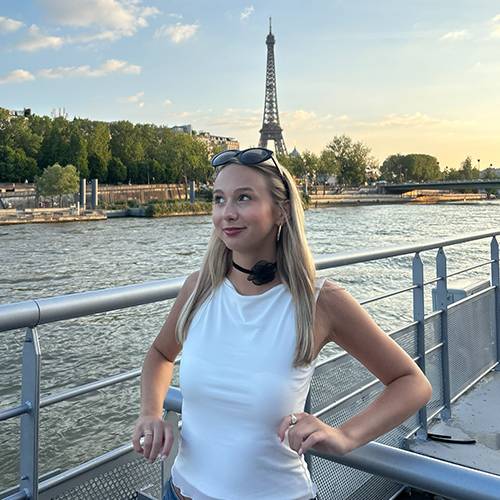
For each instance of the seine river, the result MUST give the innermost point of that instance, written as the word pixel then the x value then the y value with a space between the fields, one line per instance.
pixel 45 260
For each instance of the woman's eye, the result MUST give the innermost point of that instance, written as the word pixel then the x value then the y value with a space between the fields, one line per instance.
pixel 217 199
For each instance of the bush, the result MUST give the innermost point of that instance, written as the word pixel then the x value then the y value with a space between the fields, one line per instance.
pixel 157 208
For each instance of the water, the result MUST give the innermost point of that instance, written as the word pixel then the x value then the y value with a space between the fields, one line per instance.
pixel 45 260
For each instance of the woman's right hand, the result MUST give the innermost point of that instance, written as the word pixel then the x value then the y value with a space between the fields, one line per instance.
pixel 158 437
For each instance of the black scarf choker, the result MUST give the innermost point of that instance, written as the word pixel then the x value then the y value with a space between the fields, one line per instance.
pixel 261 273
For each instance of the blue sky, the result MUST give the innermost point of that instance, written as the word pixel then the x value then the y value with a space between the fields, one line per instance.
pixel 409 77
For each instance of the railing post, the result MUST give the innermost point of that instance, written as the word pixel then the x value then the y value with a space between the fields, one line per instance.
pixel 495 281
pixel 418 315
pixel 442 301
pixel 30 395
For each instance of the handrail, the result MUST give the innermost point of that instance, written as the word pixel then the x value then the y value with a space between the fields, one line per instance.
pixel 31 313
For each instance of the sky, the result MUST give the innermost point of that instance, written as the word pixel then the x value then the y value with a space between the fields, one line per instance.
pixel 400 76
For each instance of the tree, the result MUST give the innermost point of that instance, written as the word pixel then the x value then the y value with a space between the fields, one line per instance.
pixel 15 166
pixel 352 159
pixel 77 153
pixel 57 180
pixel 117 171
pixel 98 169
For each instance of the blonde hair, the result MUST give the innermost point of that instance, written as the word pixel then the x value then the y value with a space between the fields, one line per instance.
pixel 295 265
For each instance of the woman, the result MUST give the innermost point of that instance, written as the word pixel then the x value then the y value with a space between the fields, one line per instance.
pixel 257 317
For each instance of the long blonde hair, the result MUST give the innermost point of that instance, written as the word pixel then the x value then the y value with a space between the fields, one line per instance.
pixel 295 265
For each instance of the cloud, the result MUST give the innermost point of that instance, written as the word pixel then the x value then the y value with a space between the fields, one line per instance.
pixel 415 120
pixel 177 33
pixel 167 102
pixel 176 16
pixel 456 35
pixel 108 67
pixel 134 99
pixel 36 40
pixel 246 12
pixel 8 25
pixel 18 75
pixel 495 21
pixel 116 18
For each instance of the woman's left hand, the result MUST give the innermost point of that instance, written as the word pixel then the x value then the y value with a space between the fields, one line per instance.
pixel 311 432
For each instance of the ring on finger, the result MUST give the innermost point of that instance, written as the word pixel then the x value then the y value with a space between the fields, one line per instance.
pixel 293 419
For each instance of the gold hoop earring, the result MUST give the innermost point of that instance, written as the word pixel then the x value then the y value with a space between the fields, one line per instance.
pixel 279 233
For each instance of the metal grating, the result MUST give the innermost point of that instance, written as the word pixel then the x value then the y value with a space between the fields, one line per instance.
pixel 341 376
pixel 472 339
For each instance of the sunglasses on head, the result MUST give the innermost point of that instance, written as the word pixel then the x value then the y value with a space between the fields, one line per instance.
pixel 250 156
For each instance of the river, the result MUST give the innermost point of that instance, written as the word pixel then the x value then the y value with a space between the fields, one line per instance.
pixel 45 260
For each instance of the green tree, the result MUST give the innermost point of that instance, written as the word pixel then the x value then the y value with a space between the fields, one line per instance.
pixel 57 181
pixel 352 160
pixel 117 171
pixel 77 153
pixel 15 166
pixel 98 168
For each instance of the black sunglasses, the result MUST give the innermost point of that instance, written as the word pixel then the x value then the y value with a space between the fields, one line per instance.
pixel 250 156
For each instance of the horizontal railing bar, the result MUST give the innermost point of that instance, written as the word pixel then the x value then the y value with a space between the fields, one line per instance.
pixel 358 257
pixel 390 294
pixel 90 387
pixel 14 411
pixel 437 346
pixel 85 467
pixel 449 275
pixel 475 295
pixel 47 310
pixel 420 471
pixel 477 379
pixel 31 313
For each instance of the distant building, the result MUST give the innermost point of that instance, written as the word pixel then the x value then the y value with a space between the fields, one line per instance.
pixel 294 153
pixel 183 129
pixel 24 113
pixel 213 141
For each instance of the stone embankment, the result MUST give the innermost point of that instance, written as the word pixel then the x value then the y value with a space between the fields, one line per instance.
pixel 39 215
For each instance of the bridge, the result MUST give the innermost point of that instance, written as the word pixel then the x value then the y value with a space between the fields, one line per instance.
pixel 438 185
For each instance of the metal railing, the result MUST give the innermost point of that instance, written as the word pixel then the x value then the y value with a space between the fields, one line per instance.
pixel 388 461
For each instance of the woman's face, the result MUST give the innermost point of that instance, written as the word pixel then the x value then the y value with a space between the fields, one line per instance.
pixel 241 199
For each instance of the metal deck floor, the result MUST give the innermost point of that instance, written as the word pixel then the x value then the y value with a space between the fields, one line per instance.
pixel 475 415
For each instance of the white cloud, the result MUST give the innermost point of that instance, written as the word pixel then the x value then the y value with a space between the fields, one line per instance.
pixel 246 12
pixel 456 35
pixel 134 99
pixel 177 33
pixel 8 25
pixel 176 16
pixel 36 40
pixel 117 18
pixel 108 67
pixel 415 120
pixel 167 102
pixel 18 75
pixel 495 21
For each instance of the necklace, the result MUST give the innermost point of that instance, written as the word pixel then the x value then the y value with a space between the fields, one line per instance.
pixel 262 272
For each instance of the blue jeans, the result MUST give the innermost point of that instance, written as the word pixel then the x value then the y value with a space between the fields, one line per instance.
pixel 170 493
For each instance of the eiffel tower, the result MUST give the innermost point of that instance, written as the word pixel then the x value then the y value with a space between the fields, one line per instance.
pixel 271 129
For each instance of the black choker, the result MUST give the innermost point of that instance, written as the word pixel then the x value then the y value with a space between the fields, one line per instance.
pixel 261 273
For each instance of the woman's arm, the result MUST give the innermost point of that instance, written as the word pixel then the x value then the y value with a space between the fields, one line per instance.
pixel 407 388
pixel 156 376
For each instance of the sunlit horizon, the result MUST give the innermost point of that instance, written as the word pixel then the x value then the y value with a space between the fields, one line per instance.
pixel 401 78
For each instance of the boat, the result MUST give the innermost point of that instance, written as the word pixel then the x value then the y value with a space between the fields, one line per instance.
pixel 447 450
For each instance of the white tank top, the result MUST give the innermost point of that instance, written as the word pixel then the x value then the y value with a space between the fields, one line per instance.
pixel 237 383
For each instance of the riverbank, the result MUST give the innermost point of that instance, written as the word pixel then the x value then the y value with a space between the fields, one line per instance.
pixel 182 208
pixel 43 215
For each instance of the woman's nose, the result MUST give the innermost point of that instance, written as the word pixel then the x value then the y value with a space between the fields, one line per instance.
pixel 230 211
